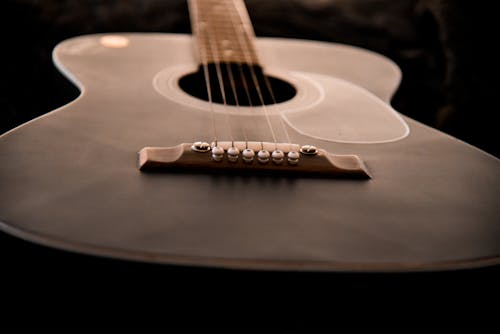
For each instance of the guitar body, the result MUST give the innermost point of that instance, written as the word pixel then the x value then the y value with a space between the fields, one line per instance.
pixel 69 179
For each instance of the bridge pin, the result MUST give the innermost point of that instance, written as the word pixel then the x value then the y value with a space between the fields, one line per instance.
pixel 248 155
pixel 263 156
pixel 232 154
pixel 293 157
pixel 217 153
pixel 278 156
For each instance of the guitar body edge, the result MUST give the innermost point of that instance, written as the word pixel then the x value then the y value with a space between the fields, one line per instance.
pixel 69 178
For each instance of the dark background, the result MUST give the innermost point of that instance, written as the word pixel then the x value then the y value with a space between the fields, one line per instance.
pixel 443 48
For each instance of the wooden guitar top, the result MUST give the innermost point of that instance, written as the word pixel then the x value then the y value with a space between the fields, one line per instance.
pixel 70 179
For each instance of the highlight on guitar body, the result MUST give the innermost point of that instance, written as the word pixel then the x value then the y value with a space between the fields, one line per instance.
pixel 224 149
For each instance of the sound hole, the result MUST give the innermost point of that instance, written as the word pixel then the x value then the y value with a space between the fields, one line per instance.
pixel 194 84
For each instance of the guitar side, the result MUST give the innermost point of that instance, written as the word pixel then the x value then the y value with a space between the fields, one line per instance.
pixel 69 179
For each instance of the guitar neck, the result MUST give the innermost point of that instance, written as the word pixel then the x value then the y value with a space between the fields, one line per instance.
pixel 223 31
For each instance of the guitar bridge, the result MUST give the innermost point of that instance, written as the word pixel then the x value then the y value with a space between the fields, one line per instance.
pixel 251 157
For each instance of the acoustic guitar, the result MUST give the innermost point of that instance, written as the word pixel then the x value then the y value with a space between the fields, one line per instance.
pixel 223 149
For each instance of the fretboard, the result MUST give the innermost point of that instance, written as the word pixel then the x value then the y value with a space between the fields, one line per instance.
pixel 222 31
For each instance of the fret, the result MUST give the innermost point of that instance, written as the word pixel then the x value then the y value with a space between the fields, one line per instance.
pixel 222 31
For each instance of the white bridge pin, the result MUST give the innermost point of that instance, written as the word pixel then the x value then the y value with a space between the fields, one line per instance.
pixel 248 155
pixel 217 153
pixel 293 157
pixel 232 154
pixel 278 156
pixel 263 156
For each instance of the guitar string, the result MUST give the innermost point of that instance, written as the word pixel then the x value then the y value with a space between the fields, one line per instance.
pixel 245 84
pixel 227 54
pixel 243 45
pixel 201 26
pixel 270 89
pixel 232 85
pixel 215 56
pixel 254 77
pixel 236 100
pixel 246 53
pixel 273 98
pixel 245 87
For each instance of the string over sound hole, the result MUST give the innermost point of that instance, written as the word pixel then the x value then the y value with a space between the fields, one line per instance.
pixel 247 92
